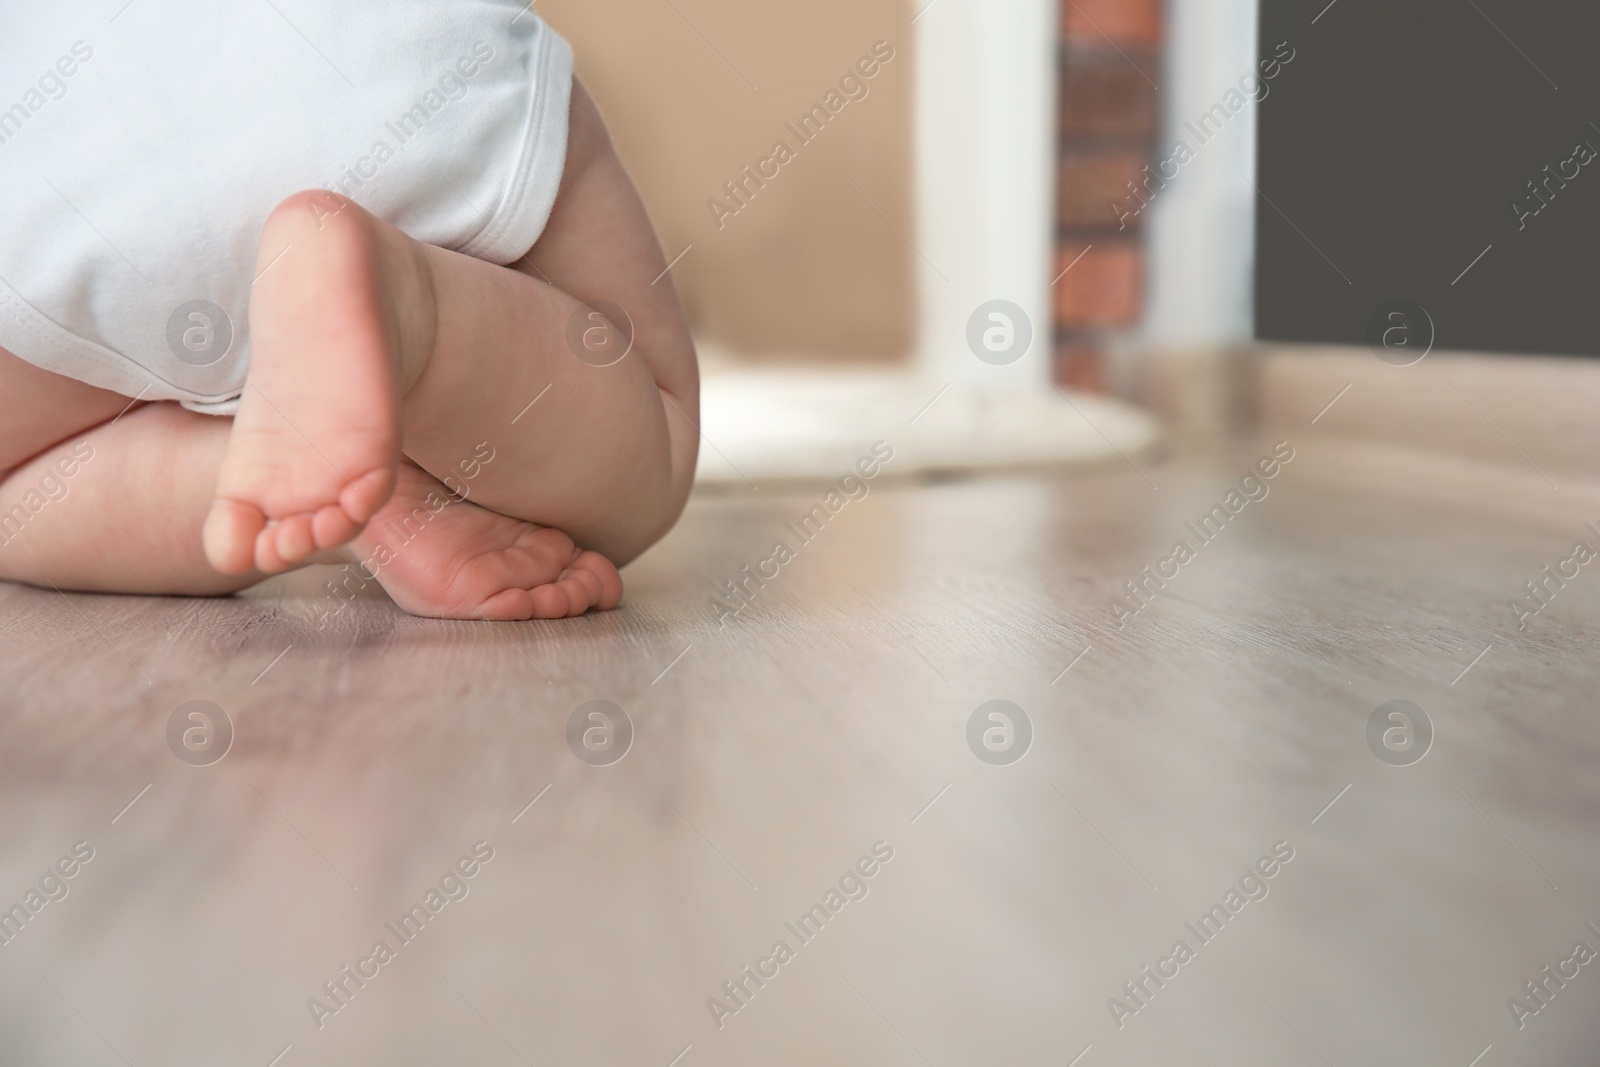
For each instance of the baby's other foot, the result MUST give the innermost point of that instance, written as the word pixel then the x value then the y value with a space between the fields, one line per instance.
pixel 446 558
pixel 340 303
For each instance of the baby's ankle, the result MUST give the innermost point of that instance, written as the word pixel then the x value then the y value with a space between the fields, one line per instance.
pixel 413 303
pixel 330 225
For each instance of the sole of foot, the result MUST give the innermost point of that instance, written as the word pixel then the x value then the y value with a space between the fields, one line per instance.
pixel 315 445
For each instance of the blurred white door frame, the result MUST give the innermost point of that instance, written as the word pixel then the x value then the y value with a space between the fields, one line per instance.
pixel 1202 228
pixel 985 112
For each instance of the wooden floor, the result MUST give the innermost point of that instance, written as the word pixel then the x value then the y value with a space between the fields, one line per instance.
pixel 773 753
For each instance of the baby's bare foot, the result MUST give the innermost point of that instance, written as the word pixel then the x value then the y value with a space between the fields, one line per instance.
pixel 336 318
pixel 450 559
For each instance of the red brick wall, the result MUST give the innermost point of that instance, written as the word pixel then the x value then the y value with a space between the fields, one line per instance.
pixel 1110 52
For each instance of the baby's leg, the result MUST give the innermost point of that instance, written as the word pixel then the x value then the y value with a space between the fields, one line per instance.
pixel 607 453
pixel 39 409
pixel 118 508
pixel 73 458
pixel 366 341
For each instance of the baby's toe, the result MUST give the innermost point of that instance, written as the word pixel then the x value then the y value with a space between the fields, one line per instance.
pixel 588 584
pixel 604 572
pixel 274 548
pixel 230 533
pixel 331 527
pixel 363 496
pixel 294 539
pixel 508 605
pixel 579 595
pixel 550 601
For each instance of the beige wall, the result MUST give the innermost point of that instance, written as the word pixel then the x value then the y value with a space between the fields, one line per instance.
pixel 808 268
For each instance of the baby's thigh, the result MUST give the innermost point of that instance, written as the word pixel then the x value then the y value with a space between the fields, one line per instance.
pixel 39 409
pixel 599 245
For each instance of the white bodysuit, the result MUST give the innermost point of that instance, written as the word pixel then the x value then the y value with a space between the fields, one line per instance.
pixel 143 144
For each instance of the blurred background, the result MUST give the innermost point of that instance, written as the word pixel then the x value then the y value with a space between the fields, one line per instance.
pixel 1026 152
pixel 693 93
pixel 819 271
pixel 984 161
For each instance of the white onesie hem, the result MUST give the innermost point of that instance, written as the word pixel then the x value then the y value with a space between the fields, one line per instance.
pixel 531 194
pixel 34 338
